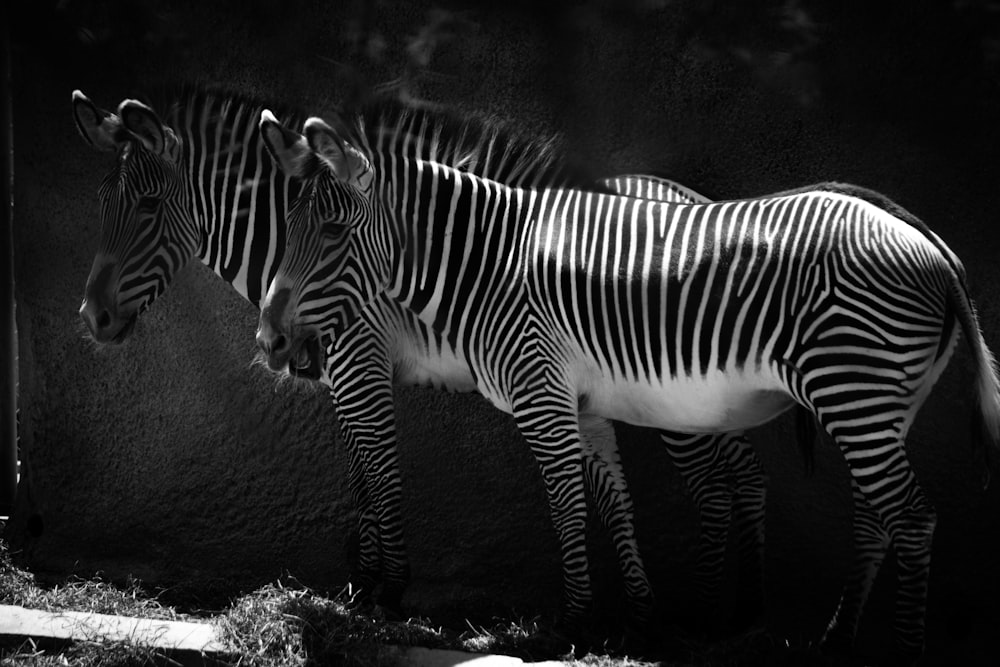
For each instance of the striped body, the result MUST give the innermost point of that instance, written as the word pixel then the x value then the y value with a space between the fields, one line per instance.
pixel 694 318
pixel 700 318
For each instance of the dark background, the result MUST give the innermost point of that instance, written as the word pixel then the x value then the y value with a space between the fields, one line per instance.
pixel 172 459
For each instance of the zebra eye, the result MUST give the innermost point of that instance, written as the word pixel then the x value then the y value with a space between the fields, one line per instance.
pixel 147 206
pixel 334 228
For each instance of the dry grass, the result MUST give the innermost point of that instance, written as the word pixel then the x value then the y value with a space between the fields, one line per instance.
pixel 83 654
pixel 18 587
pixel 278 625
pixel 287 624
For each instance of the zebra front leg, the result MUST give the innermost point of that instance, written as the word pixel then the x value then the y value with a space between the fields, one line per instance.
pixel 367 566
pixel 870 545
pixel 552 432
pixel 701 464
pixel 605 479
pixel 749 483
pixel 365 403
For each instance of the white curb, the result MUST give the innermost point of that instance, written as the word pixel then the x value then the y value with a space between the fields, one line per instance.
pixel 415 656
pixel 70 625
pixel 202 638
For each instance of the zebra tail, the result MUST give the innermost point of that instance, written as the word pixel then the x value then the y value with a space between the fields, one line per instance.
pixel 986 414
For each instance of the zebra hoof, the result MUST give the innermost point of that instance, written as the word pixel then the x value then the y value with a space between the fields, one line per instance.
pixel 635 643
pixel 390 596
pixel 547 644
pixel 574 632
pixel 640 613
pixel 359 594
pixel 392 613
pixel 388 614
pixel 837 644
pixel 746 618
pixel 674 643
pixel 904 656
pixel 697 626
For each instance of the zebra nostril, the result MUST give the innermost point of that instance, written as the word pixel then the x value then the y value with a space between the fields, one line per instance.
pixel 103 320
pixel 279 344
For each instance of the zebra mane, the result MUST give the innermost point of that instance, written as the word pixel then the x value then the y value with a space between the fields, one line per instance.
pixel 193 97
pixel 475 143
pixel 225 107
pixel 214 122
pixel 472 142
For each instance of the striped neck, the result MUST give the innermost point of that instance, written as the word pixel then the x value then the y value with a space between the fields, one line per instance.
pixel 236 197
pixel 443 227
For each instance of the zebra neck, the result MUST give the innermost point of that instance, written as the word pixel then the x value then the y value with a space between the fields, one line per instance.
pixel 456 258
pixel 237 198
pixel 244 245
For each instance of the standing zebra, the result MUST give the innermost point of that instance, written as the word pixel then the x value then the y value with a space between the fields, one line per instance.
pixel 198 186
pixel 702 318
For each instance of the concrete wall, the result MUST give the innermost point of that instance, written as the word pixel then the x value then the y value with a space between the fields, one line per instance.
pixel 172 459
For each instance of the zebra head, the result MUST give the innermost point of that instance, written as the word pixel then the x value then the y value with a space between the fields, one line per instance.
pixel 143 241
pixel 322 283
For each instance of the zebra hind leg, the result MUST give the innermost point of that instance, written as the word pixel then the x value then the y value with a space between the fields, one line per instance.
pixel 885 479
pixel 749 484
pixel 870 545
pixel 605 480
pixel 700 462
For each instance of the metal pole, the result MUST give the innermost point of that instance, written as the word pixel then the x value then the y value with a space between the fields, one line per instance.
pixel 8 326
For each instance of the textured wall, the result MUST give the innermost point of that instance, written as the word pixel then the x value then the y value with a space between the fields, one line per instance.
pixel 172 459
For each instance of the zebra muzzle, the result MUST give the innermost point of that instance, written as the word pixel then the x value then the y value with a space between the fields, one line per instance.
pixel 306 362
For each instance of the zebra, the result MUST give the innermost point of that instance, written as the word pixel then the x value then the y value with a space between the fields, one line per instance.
pixel 702 318
pixel 197 186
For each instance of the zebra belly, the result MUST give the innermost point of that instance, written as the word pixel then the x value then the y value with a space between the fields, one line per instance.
pixel 713 403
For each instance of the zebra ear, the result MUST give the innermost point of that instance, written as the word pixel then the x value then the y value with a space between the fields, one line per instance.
pixel 143 124
pixel 346 161
pixel 289 149
pixel 99 128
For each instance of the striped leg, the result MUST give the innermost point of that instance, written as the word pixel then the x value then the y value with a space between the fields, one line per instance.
pixel 368 568
pixel 551 429
pixel 885 479
pixel 870 545
pixel 748 516
pixel 363 387
pixel 699 460
pixel 605 480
